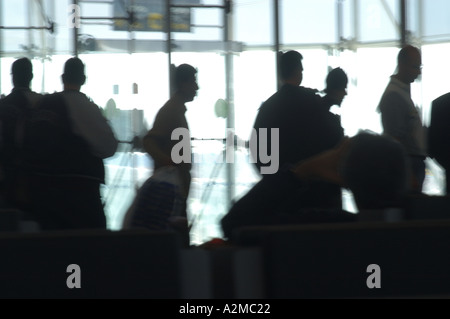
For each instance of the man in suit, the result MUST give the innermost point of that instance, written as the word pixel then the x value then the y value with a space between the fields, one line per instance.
pixel 439 134
pixel 304 131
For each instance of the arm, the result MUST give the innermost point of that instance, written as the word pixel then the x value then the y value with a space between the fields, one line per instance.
pixel 393 116
pixel 255 141
pixel 155 137
pixel 151 146
pixel 89 122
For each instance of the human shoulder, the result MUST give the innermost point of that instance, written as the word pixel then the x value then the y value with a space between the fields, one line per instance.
pixel 16 101
pixel 172 109
pixel 5 100
pixel 76 95
pixel 442 100
pixel 34 97
pixel 440 109
pixel 168 117
pixel 308 91
pixel 50 98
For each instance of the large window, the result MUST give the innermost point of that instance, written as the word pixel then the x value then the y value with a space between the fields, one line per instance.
pixel 128 76
pixel 308 22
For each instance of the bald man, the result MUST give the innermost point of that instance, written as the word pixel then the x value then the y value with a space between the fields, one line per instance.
pixel 400 117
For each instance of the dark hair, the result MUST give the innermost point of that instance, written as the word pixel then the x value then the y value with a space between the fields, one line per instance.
pixel 289 63
pixel 375 170
pixel 22 72
pixel 74 72
pixel 405 52
pixel 183 73
pixel 336 80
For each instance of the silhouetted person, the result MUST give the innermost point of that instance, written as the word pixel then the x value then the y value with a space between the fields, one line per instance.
pixel 439 134
pixel 372 166
pixel 336 88
pixel 335 92
pixel 14 110
pixel 170 119
pixel 303 131
pixel 400 117
pixel 67 192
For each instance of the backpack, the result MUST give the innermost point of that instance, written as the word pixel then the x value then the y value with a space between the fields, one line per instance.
pixel 36 141
pixel 50 147
pixel 46 133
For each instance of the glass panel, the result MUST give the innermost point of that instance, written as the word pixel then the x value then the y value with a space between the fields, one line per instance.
pixel 436 66
pixel 315 68
pixel 414 18
pixel 253 21
pixel 130 86
pixel 5 75
pixel 209 186
pixel 255 81
pixel 305 21
pixel 14 42
pixel 14 13
pixel 379 20
pixel 22 14
pixel 206 23
pixel 348 19
pixel 39 81
pixel 131 69
pixel 60 41
pixel 131 93
pixel 436 17
pixel 203 48
pixel 371 78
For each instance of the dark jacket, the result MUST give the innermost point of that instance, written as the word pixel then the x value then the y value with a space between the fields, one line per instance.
pixel 439 131
pixel 304 131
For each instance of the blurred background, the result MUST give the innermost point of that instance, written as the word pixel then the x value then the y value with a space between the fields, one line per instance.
pixel 128 48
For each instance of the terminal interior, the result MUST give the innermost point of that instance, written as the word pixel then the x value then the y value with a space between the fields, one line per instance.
pixel 128 49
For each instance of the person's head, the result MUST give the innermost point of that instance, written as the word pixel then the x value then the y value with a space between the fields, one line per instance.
pixel 375 170
pixel 409 64
pixel 336 86
pixel 74 75
pixel 185 82
pixel 22 73
pixel 291 67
